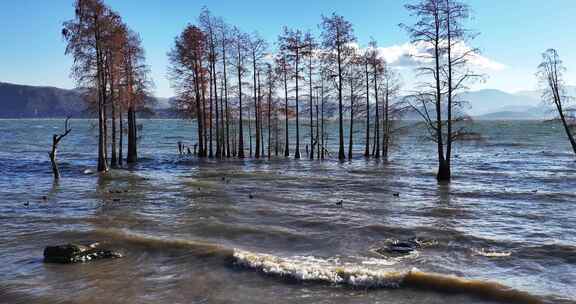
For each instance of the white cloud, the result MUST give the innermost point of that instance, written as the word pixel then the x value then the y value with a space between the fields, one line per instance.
pixel 412 54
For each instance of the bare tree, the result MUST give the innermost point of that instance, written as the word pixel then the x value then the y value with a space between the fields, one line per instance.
pixel 257 48
pixel 354 77
pixel 439 30
pixel 391 109
pixel 366 59
pixel 138 83
pixel 310 52
pixel 225 42
pixel 186 73
pixel 240 42
pixel 337 35
pixel 550 74
pixel 293 45
pixel 209 26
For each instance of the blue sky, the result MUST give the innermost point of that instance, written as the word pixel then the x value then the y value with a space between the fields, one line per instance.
pixel 513 33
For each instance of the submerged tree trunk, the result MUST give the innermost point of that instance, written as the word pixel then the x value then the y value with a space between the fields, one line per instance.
pixel 311 109
pixel 350 142
pixel 566 127
pixel 121 139
pixel 269 116
pixel 228 152
pixel 341 155
pixel 114 159
pixel 132 137
pixel 286 139
pixel 297 153
pixel 240 129
pixel 376 151
pixel 387 129
pixel 322 118
pixel 256 108
pixel 367 143
pixel 55 141
pixel 317 130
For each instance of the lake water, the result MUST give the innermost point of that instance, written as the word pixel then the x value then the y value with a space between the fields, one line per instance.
pixel 268 231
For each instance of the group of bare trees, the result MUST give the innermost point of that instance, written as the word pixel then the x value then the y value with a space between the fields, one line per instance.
pixel 264 88
pixel 227 80
pixel 109 67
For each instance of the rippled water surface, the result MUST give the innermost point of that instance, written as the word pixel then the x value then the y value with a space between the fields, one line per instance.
pixel 268 231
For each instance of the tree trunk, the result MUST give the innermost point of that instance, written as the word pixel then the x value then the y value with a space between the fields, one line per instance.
pixel 121 140
pixel 297 153
pixel 269 115
pixel 386 130
pixel 132 136
pixel 341 155
pixel 286 139
pixel 240 129
pixel 256 110
pixel 367 150
pixel 228 154
pixel 566 127
pixel 210 116
pixel 351 135
pixel 322 118
pixel 377 125
pixel 52 154
pixel 114 160
pixel 311 110
pixel 317 130
pixel 443 167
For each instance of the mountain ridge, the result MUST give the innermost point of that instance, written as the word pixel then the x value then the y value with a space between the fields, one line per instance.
pixel 23 101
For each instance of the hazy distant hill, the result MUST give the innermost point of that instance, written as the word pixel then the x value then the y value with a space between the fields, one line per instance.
pixel 21 101
pixel 488 101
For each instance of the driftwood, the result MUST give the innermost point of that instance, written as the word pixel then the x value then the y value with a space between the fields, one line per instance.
pixel 56 138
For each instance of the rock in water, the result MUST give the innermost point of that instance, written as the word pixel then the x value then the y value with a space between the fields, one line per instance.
pixel 404 247
pixel 74 253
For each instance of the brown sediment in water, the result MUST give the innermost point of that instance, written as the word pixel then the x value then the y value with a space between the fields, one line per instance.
pixel 355 276
pixel 483 289
pixel 197 248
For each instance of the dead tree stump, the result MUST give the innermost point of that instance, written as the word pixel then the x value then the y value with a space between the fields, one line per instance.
pixel 56 138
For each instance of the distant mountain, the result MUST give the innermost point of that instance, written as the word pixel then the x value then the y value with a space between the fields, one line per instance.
pixel 523 113
pixel 21 101
pixel 489 101
pixel 537 94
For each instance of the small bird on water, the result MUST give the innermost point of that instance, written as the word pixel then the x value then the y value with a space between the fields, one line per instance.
pixel 340 204
pixel 250 196
pixel 27 203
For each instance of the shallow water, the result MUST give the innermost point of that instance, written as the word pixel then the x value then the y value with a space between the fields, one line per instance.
pixel 503 231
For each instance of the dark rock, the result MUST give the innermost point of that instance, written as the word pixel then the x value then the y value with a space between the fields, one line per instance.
pixel 250 196
pixel 396 194
pixel 403 247
pixel 75 253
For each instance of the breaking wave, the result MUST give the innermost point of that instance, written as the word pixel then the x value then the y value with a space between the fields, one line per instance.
pixel 356 272
pixel 331 271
